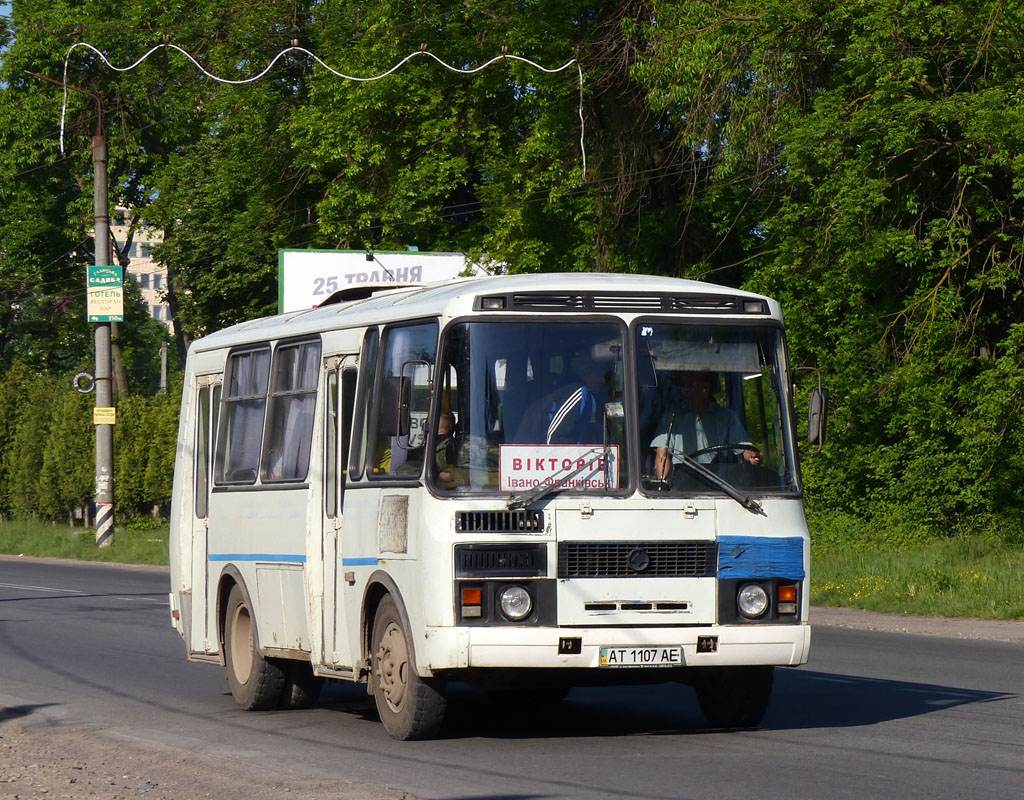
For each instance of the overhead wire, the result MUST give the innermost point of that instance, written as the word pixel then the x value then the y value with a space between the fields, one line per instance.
pixel 361 79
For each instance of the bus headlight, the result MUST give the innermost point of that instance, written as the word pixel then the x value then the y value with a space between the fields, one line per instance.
pixel 515 603
pixel 752 600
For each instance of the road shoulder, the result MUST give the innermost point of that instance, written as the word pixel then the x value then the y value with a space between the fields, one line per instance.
pixel 949 627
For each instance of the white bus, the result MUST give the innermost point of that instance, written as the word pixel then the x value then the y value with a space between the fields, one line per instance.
pixel 524 483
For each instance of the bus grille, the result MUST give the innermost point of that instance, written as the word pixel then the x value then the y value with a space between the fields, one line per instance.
pixel 636 559
pixel 499 521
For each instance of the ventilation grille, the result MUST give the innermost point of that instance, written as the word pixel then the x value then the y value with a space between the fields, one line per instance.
pixel 635 605
pixel 498 561
pixel 634 302
pixel 549 302
pixel 650 302
pixel 706 304
pixel 636 559
pixel 499 521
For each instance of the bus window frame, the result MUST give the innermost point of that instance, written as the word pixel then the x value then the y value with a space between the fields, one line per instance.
pixel 392 478
pixel 365 389
pixel 628 398
pixel 296 341
pixel 220 480
pixel 786 404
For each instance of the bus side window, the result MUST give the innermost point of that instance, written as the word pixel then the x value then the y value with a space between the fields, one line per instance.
pixel 337 435
pixel 290 417
pixel 361 422
pixel 202 451
pixel 349 379
pixel 409 354
pixel 331 447
pixel 245 401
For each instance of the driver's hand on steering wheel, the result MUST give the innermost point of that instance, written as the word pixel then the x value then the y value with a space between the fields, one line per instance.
pixel 752 456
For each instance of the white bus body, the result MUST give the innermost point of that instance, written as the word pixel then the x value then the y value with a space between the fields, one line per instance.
pixel 323 526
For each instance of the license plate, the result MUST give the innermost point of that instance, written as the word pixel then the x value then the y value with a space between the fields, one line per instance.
pixel 641 656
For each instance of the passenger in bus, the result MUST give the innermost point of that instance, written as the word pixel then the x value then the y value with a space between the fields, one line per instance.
pixel 705 425
pixel 446 452
pixel 449 474
pixel 573 414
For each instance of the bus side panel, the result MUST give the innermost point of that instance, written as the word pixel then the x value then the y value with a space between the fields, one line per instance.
pixel 180 543
pixel 379 536
pixel 263 532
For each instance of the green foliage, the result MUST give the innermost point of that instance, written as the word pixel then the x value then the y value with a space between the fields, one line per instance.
pixel 860 161
pixel 67 477
pixel 23 457
pixel 47 449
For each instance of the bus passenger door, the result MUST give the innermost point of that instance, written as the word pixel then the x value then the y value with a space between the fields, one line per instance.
pixel 207 408
pixel 339 401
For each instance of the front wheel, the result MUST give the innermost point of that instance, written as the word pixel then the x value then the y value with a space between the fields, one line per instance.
pixel 410 707
pixel 734 697
pixel 256 682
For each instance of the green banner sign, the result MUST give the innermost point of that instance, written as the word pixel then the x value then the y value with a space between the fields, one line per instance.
pixel 105 294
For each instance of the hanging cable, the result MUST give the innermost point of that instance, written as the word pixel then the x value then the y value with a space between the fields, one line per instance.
pixel 472 71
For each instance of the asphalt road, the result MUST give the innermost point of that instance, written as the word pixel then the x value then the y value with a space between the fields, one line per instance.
pixel 875 714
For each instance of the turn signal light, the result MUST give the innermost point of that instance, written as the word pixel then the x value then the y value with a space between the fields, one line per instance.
pixel 472 601
pixel 786 595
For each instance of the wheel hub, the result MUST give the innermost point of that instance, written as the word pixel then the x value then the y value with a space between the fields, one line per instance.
pixel 241 644
pixel 393 663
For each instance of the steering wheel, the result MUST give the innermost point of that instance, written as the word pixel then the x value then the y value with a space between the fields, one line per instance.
pixel 719 448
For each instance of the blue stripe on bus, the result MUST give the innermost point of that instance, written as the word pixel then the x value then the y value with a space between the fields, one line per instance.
pixel 286 558
pixel 359 562
pixel 761 557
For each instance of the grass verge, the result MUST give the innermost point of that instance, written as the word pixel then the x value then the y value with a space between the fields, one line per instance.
pixel 142 543
pixel 964 577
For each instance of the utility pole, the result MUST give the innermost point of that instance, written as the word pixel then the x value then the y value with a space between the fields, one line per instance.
pixel 104 388
pixel 163 367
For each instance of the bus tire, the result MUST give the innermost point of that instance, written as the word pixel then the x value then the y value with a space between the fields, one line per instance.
pixel 410 707
pixel 256 682
pixel 734 697
pixel 301 686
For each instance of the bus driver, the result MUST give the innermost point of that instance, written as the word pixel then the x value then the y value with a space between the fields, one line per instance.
pixel 706 426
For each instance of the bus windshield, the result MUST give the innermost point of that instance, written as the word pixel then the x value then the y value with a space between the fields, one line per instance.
pixel 533 407
pixel 524 404
pixel 711 399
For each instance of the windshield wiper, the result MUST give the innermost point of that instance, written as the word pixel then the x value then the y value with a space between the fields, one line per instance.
pixel 718 482
pixel 543 490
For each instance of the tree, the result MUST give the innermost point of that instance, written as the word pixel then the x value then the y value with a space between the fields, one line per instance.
pixel 66 476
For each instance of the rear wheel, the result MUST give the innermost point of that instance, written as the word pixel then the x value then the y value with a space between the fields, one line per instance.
pixel 256 682
pixel 734 697
pixel 301 686
pixel 410 707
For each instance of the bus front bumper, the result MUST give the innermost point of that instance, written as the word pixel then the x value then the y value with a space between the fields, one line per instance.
pixel 585 648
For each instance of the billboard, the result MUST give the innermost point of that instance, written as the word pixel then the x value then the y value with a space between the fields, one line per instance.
pixel 305 278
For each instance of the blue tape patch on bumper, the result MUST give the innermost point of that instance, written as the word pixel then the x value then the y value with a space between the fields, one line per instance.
pixel 760 557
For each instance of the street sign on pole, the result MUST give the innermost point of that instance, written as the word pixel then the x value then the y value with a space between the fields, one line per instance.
pixel 105 293
pixel 106 415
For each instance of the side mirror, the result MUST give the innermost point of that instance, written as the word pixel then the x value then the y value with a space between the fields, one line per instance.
pixel 395 396
pixel 817 417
